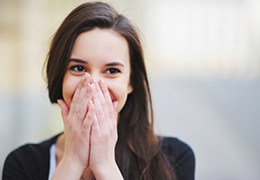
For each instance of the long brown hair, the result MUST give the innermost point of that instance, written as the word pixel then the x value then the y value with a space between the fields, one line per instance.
pixel 138 152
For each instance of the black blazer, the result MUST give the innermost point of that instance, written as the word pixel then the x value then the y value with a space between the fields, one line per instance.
pixel 31 161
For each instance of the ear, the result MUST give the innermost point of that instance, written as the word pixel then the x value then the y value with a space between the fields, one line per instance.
pixel 129 88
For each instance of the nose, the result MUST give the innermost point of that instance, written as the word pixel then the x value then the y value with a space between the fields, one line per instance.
pixel 95 76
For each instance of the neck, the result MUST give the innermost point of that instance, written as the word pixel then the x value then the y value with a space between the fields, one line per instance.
pixel 59 150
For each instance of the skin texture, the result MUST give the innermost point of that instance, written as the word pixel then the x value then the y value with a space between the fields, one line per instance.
pixel 97 49
pixel 95 88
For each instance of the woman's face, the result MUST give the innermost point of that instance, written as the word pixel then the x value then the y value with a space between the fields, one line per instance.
pixel 103 54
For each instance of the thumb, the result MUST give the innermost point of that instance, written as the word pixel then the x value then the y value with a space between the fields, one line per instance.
pixel 64 108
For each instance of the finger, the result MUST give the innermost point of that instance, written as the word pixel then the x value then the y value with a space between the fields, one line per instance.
pixel 115 105
pixel 87 125
pixel 89 117
pixel 99 102
pixel 82 95
pixel 95 126
pixel 64 108
pixel 106 94
pixel 88 96
pixel 111 106
pixel 100 94
pixel 76 98
pixel 86 93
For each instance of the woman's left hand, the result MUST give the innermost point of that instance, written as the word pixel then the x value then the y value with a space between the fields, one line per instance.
pixel 103 134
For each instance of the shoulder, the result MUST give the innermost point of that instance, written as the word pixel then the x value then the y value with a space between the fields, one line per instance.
pixel 29 160
pixel 180 155
pixel 175 147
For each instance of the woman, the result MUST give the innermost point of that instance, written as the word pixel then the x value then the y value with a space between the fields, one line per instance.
pixel 96 73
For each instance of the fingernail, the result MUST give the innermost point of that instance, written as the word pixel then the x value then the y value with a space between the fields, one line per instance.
pixel 86 75
pixel 102 82
pixel 95 82
pixel 91 103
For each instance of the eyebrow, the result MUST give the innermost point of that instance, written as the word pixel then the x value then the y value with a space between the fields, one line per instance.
pixel 77 60
pixel 114 64
pixel 85 62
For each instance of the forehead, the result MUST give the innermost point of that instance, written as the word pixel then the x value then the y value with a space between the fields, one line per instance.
pixel 101 44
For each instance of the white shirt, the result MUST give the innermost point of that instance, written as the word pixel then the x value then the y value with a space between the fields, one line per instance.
pixel 52 161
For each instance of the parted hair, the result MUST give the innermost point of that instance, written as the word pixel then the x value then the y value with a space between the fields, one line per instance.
pixel 138 153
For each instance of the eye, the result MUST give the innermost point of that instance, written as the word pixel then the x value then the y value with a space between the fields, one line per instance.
pixel 113 71
pixel 78 68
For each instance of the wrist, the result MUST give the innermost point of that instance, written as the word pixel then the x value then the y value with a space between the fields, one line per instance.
pixel 68 169
pixel 108 172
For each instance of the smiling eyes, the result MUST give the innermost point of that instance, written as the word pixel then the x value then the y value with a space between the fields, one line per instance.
pixel 80 70
pixel 112 71
pixel 77 68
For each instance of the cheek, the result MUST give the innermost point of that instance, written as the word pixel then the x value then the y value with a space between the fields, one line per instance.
pixel 121 104
pixel 119 93
pixel 69 86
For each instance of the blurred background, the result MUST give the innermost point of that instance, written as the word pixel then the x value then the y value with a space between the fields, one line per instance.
pixel 203 60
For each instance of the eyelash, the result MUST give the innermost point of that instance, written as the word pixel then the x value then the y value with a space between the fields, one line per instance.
pixel 75 68
pixel 113 69
pixel 80 69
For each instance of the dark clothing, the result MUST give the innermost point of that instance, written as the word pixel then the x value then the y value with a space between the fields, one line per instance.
pixel 180 156
pixel 31 161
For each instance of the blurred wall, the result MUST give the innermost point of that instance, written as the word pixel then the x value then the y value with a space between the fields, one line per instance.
pixel 203 62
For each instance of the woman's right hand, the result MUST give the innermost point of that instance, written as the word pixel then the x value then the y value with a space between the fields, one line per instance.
pixel 77 127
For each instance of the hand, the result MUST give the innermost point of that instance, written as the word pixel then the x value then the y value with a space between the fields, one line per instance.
pixel 103 134
pixel 77 126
